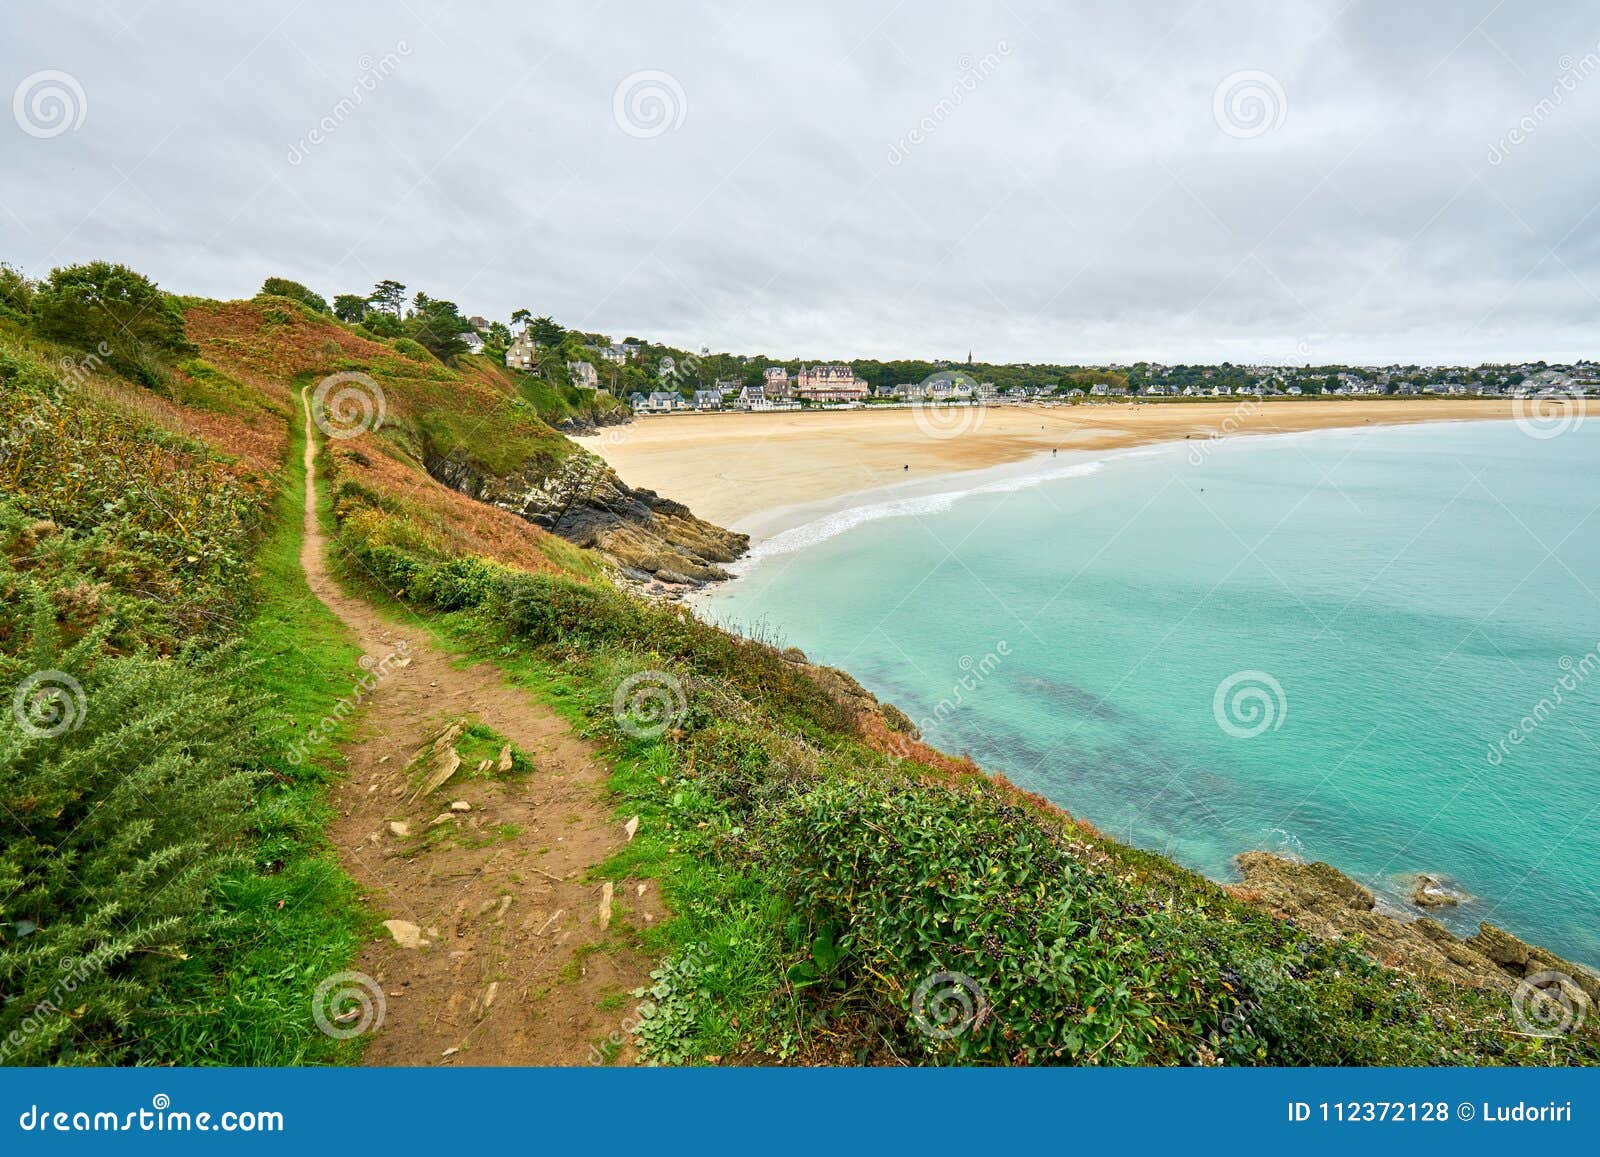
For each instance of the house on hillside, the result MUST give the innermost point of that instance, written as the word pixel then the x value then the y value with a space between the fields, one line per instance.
pixel 473 342
pixel 583 375
pixel 522 353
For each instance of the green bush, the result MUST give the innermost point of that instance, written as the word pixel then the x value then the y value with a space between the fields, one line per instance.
pixel 16 293
pixel 283 287
pixel 380 325
pixel 122 798
pixel 967 932
pixel 461 582
pixel 117 313
pixel 413 350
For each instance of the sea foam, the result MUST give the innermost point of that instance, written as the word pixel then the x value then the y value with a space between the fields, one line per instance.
pixel 832 525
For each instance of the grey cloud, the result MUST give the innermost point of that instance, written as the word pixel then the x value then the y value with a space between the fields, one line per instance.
pixel 1077 201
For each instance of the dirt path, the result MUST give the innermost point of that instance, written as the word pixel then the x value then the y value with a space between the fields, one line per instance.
pixel 510 960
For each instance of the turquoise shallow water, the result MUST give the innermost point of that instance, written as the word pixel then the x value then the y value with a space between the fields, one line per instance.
pixel 1380 608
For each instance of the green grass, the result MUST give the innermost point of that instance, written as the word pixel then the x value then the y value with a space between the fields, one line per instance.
pixel 247 999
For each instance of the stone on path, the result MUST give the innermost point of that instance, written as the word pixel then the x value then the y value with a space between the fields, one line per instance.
pixel 405 933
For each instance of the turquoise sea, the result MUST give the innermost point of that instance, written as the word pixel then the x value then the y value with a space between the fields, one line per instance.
pixel 1318 644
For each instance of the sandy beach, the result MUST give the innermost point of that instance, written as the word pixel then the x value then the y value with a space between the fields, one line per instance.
pixel 728 467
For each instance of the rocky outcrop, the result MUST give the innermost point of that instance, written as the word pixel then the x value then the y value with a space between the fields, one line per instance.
pixel 1327 903
pixel 585 502
pixel 1431 892
pixel 588 423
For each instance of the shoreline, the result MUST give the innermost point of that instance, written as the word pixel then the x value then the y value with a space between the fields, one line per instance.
pixel 768 529
pixel 747 470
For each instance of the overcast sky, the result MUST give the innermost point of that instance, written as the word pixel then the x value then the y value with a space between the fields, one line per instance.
pixel 1280 181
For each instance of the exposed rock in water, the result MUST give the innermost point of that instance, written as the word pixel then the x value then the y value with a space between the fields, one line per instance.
pixel 1431 892
pixel 1327 903
pixel 585 502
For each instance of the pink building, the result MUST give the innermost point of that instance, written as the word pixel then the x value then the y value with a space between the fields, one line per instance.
pixel 778 384
pixel 837 383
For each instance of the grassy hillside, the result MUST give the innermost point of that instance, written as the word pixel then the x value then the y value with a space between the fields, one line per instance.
pixel 840 892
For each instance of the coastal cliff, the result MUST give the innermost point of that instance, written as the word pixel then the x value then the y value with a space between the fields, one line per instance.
pixel 1328 904
pixel 584 501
